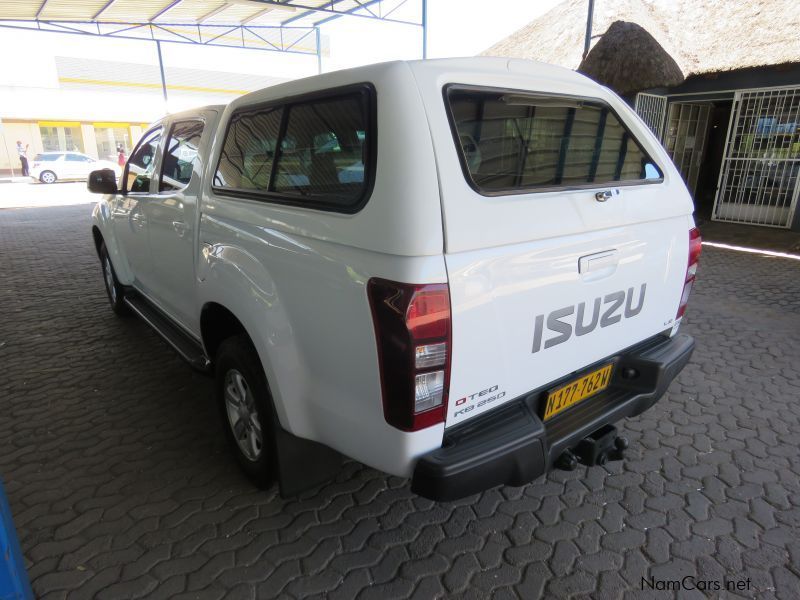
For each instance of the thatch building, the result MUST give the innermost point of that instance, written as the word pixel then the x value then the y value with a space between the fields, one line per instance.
pixel 717 81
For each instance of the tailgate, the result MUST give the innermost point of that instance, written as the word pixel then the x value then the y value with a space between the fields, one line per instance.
pixel 566 231
pixel 527 314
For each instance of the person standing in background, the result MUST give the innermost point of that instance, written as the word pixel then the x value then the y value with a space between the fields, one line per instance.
pixel 23 158
pixel 121 155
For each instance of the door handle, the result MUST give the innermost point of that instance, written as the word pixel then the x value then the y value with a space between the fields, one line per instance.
pixel 598 261
pixel 207 251
pixel 180 227
pixel 137 219
pixel 603 196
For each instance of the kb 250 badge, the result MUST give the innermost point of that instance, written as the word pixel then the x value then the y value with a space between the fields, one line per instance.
pixel 483 398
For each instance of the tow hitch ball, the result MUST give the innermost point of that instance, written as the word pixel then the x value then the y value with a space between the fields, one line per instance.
pixel 595 449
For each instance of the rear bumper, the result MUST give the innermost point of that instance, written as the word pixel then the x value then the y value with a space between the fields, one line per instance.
pixel 512 446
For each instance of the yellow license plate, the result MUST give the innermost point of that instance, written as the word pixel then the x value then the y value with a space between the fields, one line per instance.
pixel 575 391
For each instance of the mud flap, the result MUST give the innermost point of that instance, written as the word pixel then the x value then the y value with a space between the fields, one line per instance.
pixel 302 464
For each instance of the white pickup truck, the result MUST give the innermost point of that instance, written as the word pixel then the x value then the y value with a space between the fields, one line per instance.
pixel 458 271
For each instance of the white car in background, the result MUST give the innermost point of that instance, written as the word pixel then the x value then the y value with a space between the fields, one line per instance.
pixel 49 167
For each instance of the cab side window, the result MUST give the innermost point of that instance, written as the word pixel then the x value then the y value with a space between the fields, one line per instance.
pixel 316 152
pixel 326 159
pixel 246 160
pixel 142 163
pixel 180 155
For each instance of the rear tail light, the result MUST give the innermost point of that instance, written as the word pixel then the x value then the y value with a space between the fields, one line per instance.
pixel 412 330
pixel 695 246
pixel 430 355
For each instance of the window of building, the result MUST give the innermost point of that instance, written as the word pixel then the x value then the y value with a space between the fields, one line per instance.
pixel 514 141
pixel 180 155
pixel 111 141
pixel 61 138
pixel 141 165
pixel 320 159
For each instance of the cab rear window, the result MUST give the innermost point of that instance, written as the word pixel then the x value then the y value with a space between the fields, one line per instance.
pixel 516 142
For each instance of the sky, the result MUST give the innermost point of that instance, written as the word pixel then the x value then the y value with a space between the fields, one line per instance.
pixel 455 28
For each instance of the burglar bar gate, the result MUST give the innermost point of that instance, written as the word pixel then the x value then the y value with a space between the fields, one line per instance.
pixel 758 181
pixel 651 108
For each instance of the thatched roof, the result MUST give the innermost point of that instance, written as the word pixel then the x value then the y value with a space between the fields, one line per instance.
pixel 628 59
pixel 701 36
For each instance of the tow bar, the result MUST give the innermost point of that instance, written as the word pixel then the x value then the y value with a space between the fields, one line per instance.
pixel 597 448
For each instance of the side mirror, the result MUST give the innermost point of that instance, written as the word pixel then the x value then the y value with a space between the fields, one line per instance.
pixel 102 181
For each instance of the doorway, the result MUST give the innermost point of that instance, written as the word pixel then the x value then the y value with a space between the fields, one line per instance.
pixel 706 189
pixel 685 138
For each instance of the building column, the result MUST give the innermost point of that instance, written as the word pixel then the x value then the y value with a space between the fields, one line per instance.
pixel 136 133
pixel 89 140
pixel 37 146
pixel 6 166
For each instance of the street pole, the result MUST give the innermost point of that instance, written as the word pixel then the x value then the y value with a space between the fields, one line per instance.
pixel 161 69
pixel 588 40
pixel 424 29
pixel 319 51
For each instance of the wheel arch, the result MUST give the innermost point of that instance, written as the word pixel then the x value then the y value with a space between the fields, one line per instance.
pixel 103 233
pixel 217 323
pixel 320 463
pixel 97 236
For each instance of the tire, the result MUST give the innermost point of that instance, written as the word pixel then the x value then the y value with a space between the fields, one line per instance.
pixel 248 424
pixel 114 289
pixel 47 177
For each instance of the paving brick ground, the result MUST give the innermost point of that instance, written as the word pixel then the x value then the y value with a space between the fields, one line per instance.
pixel 121 485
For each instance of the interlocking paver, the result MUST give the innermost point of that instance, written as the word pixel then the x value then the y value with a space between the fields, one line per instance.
pixel 114 461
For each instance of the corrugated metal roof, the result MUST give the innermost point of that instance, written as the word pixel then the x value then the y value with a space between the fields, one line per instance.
pixel 301 13
pixel 133 10
pixel 274 25
pixel 69 9
pixel 18 9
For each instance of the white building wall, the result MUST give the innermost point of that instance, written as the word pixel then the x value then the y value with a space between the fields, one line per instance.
pixel 50 77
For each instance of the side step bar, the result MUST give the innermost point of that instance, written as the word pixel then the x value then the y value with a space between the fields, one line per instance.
pixel 186 346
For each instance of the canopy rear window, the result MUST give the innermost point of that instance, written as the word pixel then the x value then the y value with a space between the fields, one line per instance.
pixel 516 142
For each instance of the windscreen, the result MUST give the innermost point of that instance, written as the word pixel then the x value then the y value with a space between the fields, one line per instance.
pixel 513 141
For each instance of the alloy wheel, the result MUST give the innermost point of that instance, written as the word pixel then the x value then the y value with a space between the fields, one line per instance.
pixel 108 275
pixel 243 415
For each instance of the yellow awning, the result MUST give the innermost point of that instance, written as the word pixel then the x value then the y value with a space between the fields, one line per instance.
pixel 59 124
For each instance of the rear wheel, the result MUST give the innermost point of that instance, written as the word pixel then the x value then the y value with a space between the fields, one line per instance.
pixel 47 177
pixel 246 407
pixel 114 289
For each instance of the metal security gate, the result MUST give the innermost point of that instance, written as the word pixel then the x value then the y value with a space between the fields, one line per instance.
pixel 685 138
pixel 758 182
pixel 651 108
